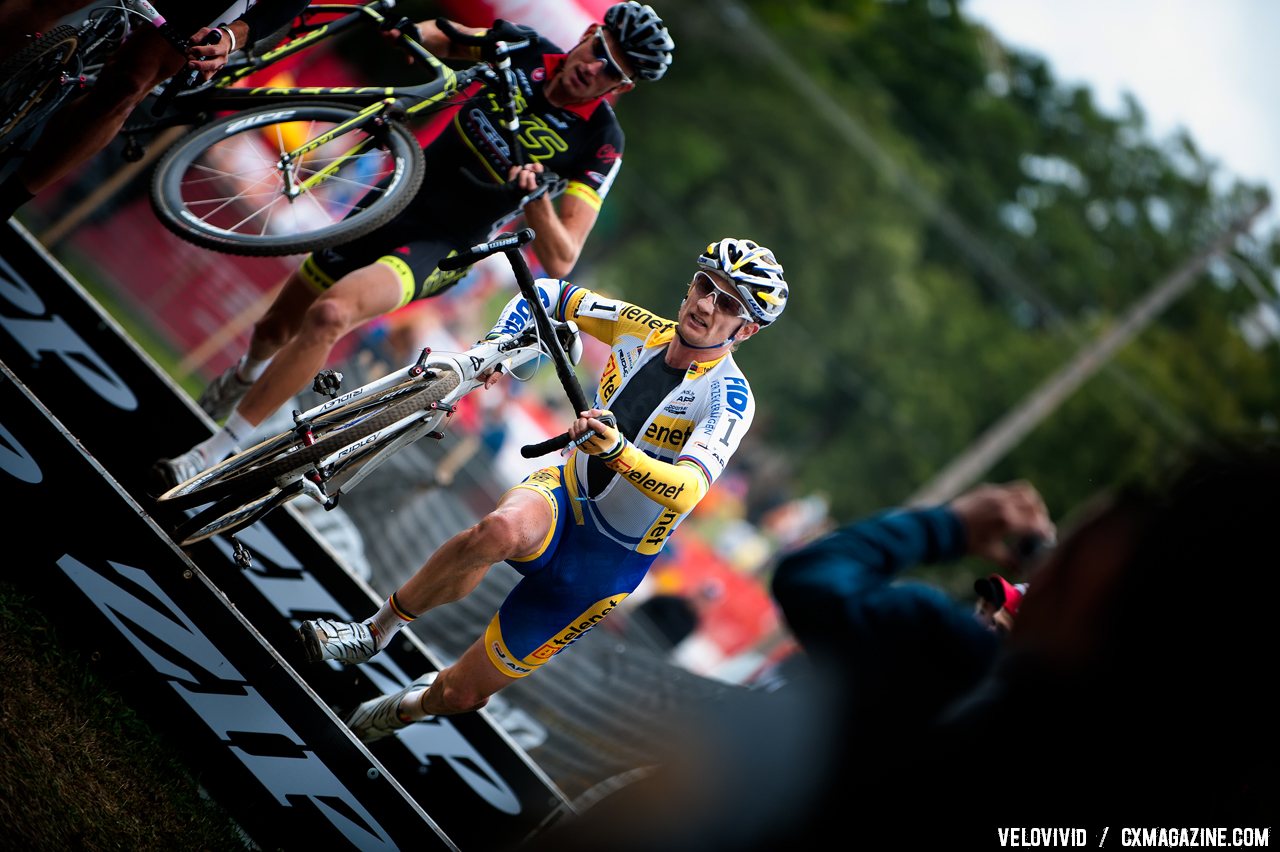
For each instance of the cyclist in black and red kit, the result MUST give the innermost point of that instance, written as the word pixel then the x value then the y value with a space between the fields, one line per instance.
pixel 567 128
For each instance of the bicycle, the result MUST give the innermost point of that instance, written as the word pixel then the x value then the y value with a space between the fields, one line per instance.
pixel 336 444
pixel 41 76
pixel 294 169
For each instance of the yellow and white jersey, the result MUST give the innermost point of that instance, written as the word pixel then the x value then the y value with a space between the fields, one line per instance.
pixel 687 440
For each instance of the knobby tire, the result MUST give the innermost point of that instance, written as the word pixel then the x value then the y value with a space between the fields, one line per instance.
pixel 29 82
pixel 253 476
pixel 219 189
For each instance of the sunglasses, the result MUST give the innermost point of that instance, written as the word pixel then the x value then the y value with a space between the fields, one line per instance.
pixel 600 50
pixel 704 285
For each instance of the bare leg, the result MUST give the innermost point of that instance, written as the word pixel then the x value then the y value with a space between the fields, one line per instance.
pixel 466 685
pixel 516 527
pixel 304 329
pixel 86 126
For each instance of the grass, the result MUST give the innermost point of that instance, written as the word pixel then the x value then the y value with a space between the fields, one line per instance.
pixel 78 768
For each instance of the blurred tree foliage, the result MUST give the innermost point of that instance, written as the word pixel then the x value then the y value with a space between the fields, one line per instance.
pixel 956 224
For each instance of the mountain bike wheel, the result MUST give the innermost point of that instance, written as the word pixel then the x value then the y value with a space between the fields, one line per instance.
pixel 224 187
pixel 257 473
pixel 232 513
pixel 31 82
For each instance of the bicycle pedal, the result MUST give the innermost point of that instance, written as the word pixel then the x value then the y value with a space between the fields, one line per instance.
pixel 243 558
pixel 327 382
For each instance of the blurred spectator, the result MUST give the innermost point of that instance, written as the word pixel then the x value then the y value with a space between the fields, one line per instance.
pixel 903 650
pixel 1131 692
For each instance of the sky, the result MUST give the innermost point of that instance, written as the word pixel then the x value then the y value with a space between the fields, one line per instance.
pixel 1210 66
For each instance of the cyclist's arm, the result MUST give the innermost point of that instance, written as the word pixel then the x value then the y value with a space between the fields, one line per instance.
pixel 677 486
pixel 264 18
pixel 561 234
pixel 594 315
pixel 434 40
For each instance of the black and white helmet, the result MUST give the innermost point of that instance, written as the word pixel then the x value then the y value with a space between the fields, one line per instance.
pixel 642 37
pixel 754 271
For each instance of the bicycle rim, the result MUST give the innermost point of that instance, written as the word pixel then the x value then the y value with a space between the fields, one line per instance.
pixel 227 186
pixel 259 469
pixel 232 513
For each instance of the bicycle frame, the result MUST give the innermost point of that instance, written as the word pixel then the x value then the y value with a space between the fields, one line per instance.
pixel 348 466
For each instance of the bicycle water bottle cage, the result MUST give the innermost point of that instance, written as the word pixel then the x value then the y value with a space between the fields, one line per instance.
pixel 327 382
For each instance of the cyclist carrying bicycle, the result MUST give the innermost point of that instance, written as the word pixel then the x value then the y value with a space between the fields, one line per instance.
pixel 584 533
pixel 567 128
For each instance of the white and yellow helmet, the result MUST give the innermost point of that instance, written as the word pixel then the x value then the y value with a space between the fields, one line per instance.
pixel 754 271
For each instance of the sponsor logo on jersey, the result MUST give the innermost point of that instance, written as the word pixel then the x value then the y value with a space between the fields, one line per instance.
pixel 539 74
pixel 737 395
pixel 711 452
pixel 607 153
pixel 668 432
pixel 645 482
pixel 686 396
pixel 589 619
pixel 540 140
pixel 610 378
pixel 658 533
pixel 676 410
pixel 595 177
pixel 639 315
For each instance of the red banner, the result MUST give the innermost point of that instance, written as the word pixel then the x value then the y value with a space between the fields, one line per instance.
pixel 561 21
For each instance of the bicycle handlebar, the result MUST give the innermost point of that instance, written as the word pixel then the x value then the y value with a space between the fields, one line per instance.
pixel 507 243
pixel 184 79
pixel 510 245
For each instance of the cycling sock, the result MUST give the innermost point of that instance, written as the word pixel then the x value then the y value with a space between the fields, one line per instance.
pixel 249 370
pixel 225 441
pixel 410 709
pixel 391 616
pixel 237 427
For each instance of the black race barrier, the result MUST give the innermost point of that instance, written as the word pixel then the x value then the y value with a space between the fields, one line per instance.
pixel 208 652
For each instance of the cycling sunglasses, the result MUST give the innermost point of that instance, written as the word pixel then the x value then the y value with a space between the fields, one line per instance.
pixel 600 50
pixel 726 303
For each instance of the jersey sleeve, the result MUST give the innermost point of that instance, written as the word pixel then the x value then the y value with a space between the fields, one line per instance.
pixel 717 435
pixel 593 173
pixel 553 292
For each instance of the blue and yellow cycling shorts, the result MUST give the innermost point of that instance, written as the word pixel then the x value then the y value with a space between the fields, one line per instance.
pixel 572 581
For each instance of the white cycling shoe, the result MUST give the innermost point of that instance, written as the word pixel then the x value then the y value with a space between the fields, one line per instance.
pixel 219 399
pixel 177 470
pixel 350 642
pixel 380 717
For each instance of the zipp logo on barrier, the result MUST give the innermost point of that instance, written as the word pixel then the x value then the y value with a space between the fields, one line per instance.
pixel 43 335
pixel 229 705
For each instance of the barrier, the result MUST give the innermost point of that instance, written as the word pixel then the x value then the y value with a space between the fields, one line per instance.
pixel 85 413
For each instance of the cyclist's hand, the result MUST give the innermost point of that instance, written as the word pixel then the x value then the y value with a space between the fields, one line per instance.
pixel 995 516
pixel 491 376
pixel 596 436
pixel 208 59
pixel 392 36
pixel 526 176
